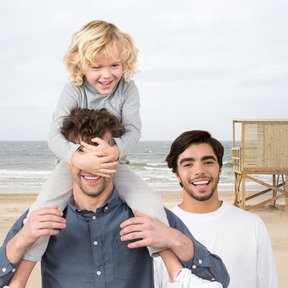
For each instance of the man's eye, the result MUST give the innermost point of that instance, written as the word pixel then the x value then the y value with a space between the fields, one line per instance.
pixel 187 164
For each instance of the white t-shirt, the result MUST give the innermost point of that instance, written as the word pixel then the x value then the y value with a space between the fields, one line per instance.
pixel 240 238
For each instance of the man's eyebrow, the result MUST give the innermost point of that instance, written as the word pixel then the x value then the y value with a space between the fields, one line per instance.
pixel 208 158
pixel 190 159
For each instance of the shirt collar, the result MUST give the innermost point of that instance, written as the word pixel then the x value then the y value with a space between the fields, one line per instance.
pixel 113 201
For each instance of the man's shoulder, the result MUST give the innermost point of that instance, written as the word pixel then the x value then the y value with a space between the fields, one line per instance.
pixel 242 216
pixel 237 210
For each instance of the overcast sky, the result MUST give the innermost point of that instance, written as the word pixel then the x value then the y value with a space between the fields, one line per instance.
pixel 203 63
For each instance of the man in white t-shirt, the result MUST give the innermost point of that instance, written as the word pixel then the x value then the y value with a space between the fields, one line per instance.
pixel 240 238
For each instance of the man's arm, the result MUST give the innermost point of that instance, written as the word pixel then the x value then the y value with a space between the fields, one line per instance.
pixel 204 264
pixel 192 254
pixel 40 223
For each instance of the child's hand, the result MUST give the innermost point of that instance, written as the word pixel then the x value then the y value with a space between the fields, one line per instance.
pixel 88 161
pixel 102 149
pixel 42 222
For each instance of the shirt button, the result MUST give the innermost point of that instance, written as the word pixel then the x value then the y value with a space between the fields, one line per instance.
pixel 98 273
pixel 13 270
pixel 4 269
pixel 200 261
pixel 95 243
pixel 94 217
pixel 212 279
pixel 194 266
pixel 106 208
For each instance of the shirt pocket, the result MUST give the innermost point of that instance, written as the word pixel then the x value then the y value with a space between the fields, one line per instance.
pixel 128 262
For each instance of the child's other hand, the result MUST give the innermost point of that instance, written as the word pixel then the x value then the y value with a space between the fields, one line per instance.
pixel 102 149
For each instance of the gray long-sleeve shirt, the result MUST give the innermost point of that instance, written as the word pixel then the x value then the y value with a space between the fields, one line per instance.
pixel 123 102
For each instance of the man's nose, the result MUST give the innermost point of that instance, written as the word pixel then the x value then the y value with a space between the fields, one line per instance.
pixel 198 168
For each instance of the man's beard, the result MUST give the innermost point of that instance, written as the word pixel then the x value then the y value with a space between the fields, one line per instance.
pixel 90 190
pixel 205 197
pixel 94 193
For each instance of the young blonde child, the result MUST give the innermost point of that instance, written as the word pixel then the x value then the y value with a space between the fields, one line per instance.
pixel 101 60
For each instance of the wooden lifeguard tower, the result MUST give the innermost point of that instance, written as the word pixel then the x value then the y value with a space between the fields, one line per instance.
pixel 263 150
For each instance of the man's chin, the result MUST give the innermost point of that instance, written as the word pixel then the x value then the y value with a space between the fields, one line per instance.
pixel 92 194
pixel 201 196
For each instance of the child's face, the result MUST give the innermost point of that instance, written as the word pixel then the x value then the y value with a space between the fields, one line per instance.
pixel 106 74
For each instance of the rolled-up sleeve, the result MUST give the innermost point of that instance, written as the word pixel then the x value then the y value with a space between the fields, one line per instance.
pixel 6 268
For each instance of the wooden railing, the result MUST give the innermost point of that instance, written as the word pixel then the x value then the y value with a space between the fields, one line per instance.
pixel 236 157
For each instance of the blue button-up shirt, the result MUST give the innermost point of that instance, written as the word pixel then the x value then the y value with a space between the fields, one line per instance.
pixel 89 252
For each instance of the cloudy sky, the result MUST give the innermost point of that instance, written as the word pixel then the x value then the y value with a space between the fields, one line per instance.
pixel 203 62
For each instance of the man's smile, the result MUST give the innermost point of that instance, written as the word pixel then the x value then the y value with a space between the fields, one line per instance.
pixel 201 184
pixel 91 179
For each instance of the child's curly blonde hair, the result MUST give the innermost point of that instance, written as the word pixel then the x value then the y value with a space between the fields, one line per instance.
pixel 94 38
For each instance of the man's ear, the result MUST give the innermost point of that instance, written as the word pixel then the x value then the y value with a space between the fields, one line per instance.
pixel 179 179
pixel 177 176
pixel 68 166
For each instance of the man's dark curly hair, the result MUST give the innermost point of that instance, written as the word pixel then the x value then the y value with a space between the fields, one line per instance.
pixel 86 124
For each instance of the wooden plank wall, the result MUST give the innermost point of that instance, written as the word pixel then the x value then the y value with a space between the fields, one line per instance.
pixel 265 145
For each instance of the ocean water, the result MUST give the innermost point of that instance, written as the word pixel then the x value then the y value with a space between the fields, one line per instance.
pixel 25 166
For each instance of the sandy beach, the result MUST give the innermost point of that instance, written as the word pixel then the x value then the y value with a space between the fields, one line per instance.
pixel 276 220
